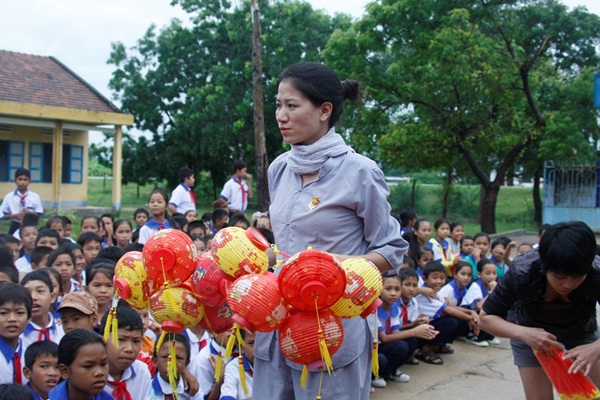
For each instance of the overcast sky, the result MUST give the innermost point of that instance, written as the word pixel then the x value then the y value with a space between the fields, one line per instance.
pixel 80 32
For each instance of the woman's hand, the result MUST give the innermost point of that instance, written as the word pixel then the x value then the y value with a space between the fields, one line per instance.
pixel 583 357
pixel 538 339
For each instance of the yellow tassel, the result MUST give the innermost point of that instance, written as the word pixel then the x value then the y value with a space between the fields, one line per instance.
pixel 375 355
pixel 108 325
pixel 231 341
pixel 161 339
pixel 325 353
pixel 240 339
pixel 241 370
pixel 115 328
pixel 172 369
pixel 303 377
pixel 218 368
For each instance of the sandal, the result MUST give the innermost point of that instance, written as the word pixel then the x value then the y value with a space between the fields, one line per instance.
pixel 445 349
pixel 430 357
pixel 412 361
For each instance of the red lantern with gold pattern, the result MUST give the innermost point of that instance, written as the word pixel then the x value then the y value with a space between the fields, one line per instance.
pixel 312 277
pixel 131 280
pixel 209 282
pixel 257 303
pixel 217 319
pixel 363 287
pixel 299 336
pixel 169 255
pixel 176 308
pixel 239 252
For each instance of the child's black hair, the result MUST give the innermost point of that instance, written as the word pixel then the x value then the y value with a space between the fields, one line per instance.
pixel 505 240
pixel 99 265
pixel 433 266
pixel 30 219
pixel 483 262
pixel 113 253
pixel 135 236
pixel 16 294
pixel 410 262
pixel 238 165
pixel 178 221
pixel 497 242
pixel 98 221
pixel 482 234
pixel 178 338
pixel 119 222
pixel 133 247
pixel 38 253
pixel 55 274
pixel 22 172
pixel 55 219
pixel 439 222
pixel 10 270
pixel 266 233
pixel 568 248
pixel 38 276
pixel 185 173
pixel 108 215
pixel 418 223
pixel 6 256
pixel 62 249
pixel 454 225
pixel 12 391
pixel 406 215
pixel 196 224
pixel 128 318
pixel 238 217
pixel 88 237
pixel 141 211
pixel 466 237
pixel 66 219
pixel 47 232
pixel 41 348
pixel 406 273
pixel 424 250
pixel 72 341
pixel 218 214
pixel 9 239
pixel 460 265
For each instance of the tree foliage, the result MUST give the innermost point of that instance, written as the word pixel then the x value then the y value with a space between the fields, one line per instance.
pixel 472 85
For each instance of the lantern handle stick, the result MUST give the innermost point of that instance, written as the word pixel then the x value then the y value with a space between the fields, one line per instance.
pixel 276 251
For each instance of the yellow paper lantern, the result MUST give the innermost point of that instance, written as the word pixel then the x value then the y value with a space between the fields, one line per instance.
pixel 239 252
pixel 176 308
pixel 131 280
pixel 363 287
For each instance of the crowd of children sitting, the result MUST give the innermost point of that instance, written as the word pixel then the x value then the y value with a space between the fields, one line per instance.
pixel 57 290
pixel 438 293
pixel 54 295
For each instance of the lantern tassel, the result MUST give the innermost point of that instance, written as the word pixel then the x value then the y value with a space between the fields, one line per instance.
pixel 172 369
pixel 375 355
pixel 325 357
pixel 320 386
pixel 111 329
pixel 231 341
pixel 241 369
pixel 161 339
pixel 304 377
pixel 219 363
pixel 276 251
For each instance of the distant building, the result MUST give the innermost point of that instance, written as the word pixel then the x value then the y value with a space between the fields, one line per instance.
pixel 572 192
pixel 46 111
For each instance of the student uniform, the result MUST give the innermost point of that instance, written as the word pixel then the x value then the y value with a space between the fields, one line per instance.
pixel 136 380
pixel 475 293
pixel 196 343
pixel 14 202
pixel 452 292
pixel 442 253
pixel 232 385
pixel 33 393
pixel 236 192
pixel 150 228
pixel 200 366
pixel 61 392
pixel 183 198
pixel 11 363
pixel 448 327
pixel 501 267
pixel 35 333
pixel 161 389
pixel 393 354
pixel 23 264
pixel 408 312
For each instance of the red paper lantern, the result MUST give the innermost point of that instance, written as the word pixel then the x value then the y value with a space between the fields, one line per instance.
pixel 312 276
pixel 299 338
pixel 169 254
pixel 239 252
pixel 217 319
pixel 176 308
pixel 131 279
pixel 257 303
pixel 208 281
pixel 363 287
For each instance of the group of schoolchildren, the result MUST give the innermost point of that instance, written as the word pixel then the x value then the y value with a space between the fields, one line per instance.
pixel 55 294
pixel 437 295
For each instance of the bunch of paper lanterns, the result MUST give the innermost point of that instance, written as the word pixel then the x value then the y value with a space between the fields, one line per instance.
pixel 230 286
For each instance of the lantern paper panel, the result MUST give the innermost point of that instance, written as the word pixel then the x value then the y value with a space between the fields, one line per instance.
pixel 176 308
pixel 257 303
pixel 169 254
pixel 312 276
pixel 299 336
pixel 217 319
pixel 209 282
pixel 239 252
pixel 363 287
pixel 131 280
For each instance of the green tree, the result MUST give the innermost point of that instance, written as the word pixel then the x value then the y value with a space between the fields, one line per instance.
pixel 464 84
pixel 191 86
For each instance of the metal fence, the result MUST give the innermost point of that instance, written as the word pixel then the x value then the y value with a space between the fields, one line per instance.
pixel 572 186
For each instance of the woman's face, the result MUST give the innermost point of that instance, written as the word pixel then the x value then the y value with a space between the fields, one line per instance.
pixel 300 122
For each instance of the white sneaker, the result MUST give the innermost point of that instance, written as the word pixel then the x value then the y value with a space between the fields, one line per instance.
pixel 400 377
pixel 494 341
pixel 378 383
pixel 475 341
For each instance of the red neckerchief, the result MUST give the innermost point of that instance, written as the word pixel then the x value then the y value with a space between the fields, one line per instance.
pixel 241 183
pixel 404 314
pixel 17 368
pixel 120 391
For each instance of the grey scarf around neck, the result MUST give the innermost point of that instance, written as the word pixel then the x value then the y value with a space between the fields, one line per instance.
pixel 308 159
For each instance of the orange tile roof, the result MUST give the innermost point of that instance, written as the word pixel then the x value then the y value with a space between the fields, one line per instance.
pixel 31 79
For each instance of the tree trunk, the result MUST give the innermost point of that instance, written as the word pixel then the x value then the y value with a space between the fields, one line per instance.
pixel 446 189
pixel 260 148
pixel 488 207
pixel 537 197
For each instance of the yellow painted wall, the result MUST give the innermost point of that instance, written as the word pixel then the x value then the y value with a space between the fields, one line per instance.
pixel 28 134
